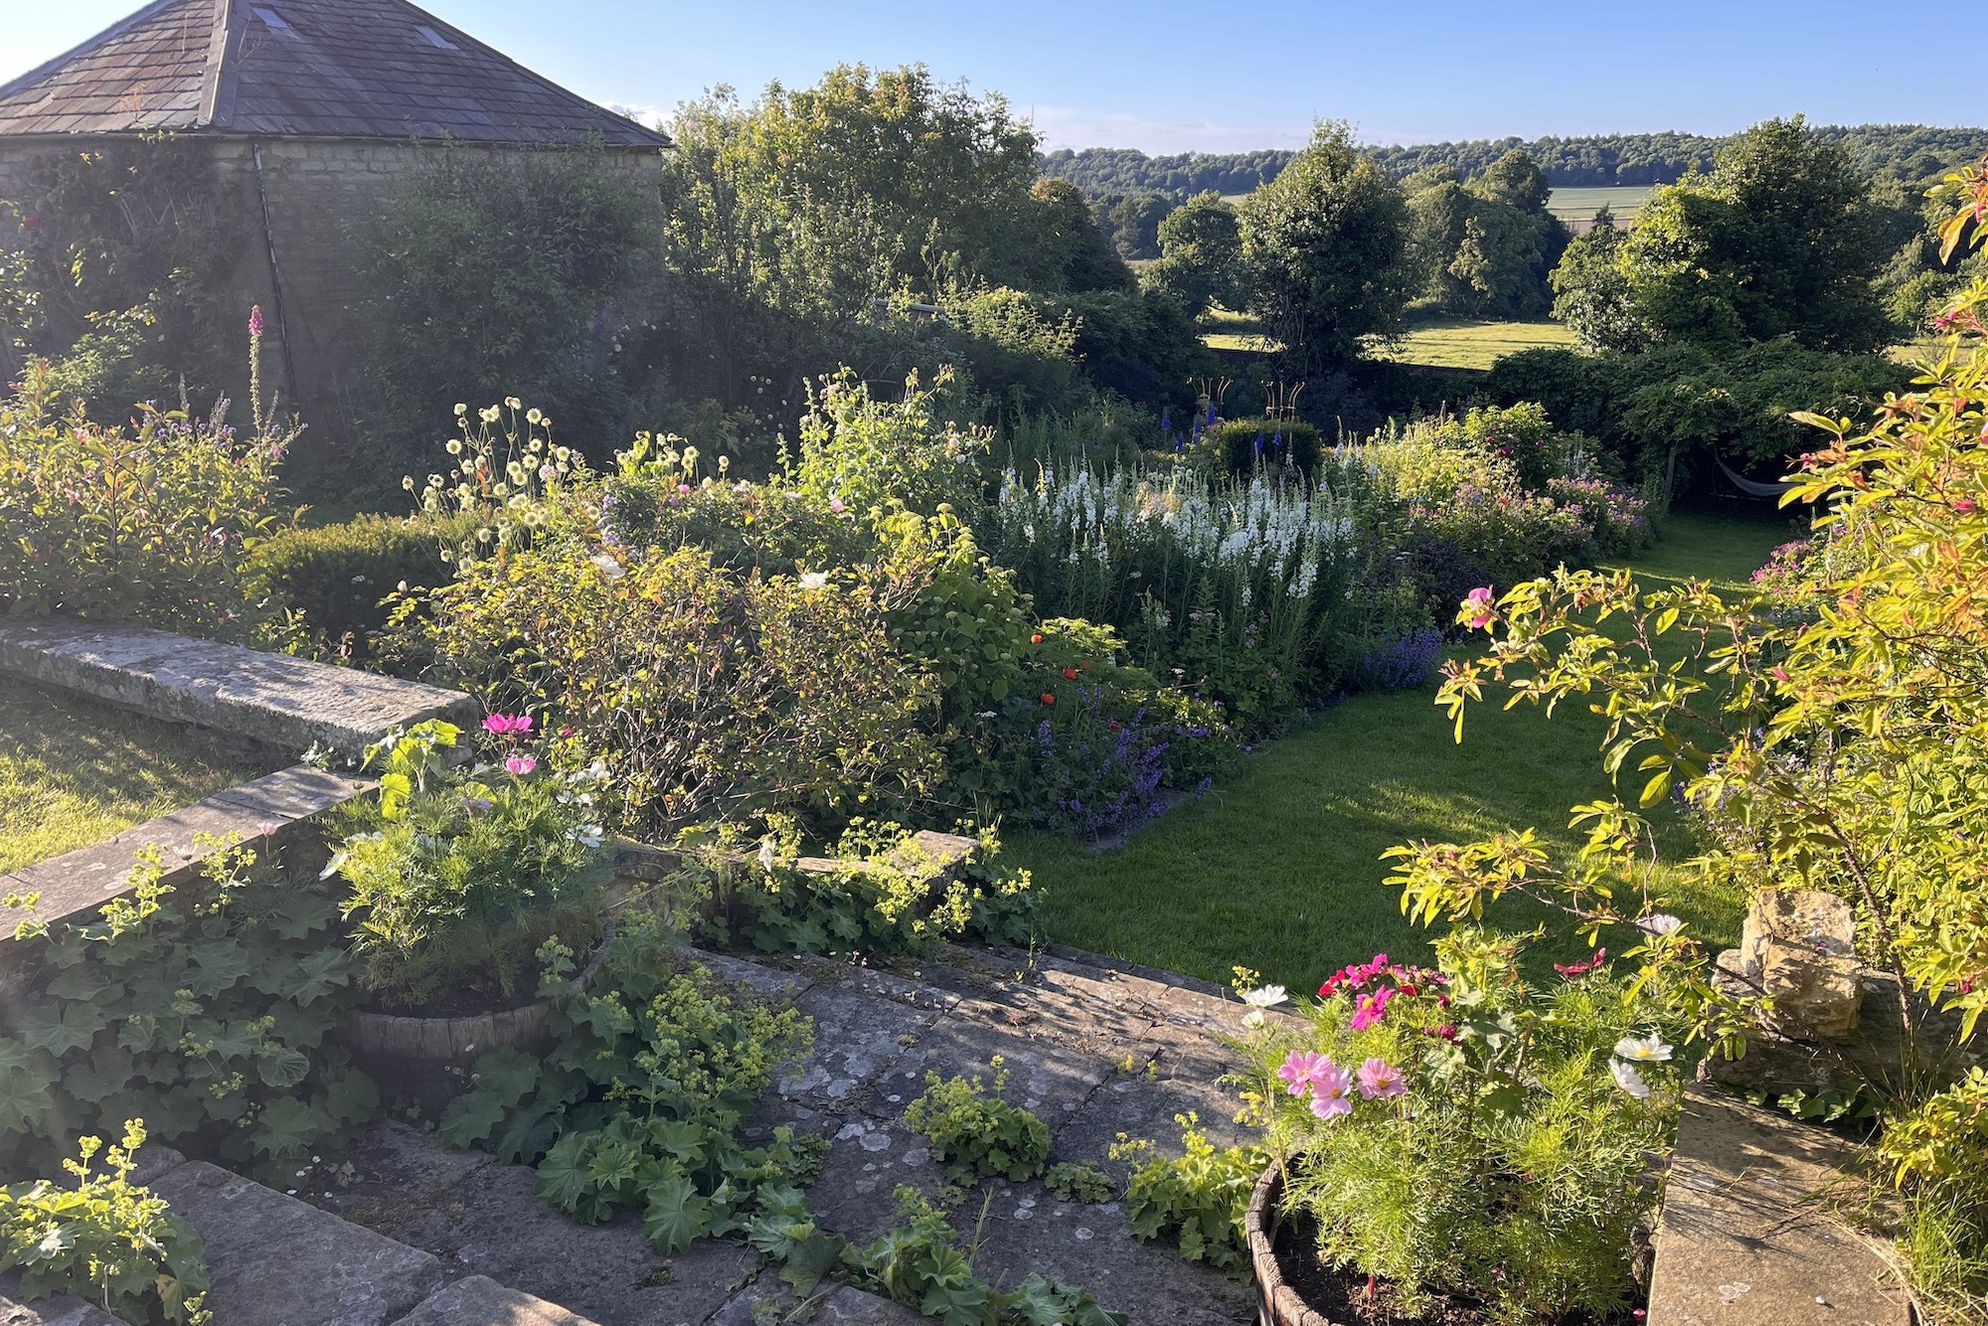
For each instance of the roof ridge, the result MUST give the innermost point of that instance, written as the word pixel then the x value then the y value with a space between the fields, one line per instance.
pixel 217 99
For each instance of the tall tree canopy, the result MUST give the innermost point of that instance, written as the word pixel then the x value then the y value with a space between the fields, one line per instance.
pixel 1325 246
pixel 1780 239
pixel 1200 256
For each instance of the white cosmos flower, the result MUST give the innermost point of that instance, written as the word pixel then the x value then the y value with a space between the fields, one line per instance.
pixel 1659 924
pixel 1253 1018
pixel 1628 1078
pixel 590 835
pixel 815 580
pixel 1268 996
pixel 610 568
pixel 1643 1050
pixel 331 867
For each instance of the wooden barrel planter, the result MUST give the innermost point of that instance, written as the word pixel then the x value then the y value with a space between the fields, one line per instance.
pixel 426 1061
pixel 1277 1303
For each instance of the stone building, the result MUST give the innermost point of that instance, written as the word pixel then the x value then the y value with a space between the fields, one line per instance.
pixel 306 108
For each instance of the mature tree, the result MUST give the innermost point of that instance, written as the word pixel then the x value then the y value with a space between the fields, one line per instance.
pixel 1484 249
pixel 1200 256
pixel 1591 292
pixel 1325 246
pixel 1132 222
pixel 1515 180
pixel 1074 254
pixel 825 198
pixel 1780 239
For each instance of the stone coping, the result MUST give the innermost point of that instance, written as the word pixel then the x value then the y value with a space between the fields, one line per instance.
pixel 294 704
pixel 1747 1236
pixel 270 810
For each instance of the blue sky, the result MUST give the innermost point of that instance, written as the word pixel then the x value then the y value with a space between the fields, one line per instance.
pixel 1171 76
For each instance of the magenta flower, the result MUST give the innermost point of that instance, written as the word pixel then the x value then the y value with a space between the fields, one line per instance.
pixel 507 725
pixel 1332 1093
pixel 1371 1008
pixel 1478 603
pixel 1380 1080
pixel 520 765
pixel 255 321
pixel 1304 1068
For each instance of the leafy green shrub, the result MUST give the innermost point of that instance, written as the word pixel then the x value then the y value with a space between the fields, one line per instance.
pixel 1079 1183
pixel 338 578
pixel 881 893
pixel 1445 1126
pixel 638 1103
pixel 458 877
pixel 951 609
pixel 977 1136
pixel 874 456
pixel 518 273
pixel 114 265
pixel 152 522
pixel 204 1008
pixel 698 690
pixel 1242 445
pixel 105 1239
pixel 1198 1199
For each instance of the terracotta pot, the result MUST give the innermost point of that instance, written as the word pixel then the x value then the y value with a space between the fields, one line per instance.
pixel 1277 1303
pixel 426 1061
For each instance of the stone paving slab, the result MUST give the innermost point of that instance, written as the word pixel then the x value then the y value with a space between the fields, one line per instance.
pixel 60 1311
pixel 291 703
pixel 1746 1238
pixel 276 1261
pixel 482 1217
pixel 479 1301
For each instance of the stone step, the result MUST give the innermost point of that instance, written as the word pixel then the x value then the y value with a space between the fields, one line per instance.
pixel 1748 1236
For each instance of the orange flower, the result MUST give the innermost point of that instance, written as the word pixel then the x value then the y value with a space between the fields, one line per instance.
pixel 1036 639
pixel 1069 674
pixel 1047 698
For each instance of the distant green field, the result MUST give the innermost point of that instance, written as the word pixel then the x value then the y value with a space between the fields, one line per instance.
pixel 1460 343
pixel 1579 203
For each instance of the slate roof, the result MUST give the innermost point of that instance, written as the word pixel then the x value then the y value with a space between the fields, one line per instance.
pixel 303 68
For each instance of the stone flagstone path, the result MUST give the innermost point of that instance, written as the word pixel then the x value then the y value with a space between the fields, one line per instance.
pixel 1095 1048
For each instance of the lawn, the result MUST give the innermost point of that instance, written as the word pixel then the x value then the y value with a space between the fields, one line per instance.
pixel 1466 343
pixel 73 773
pixel 1278 868
pixel 1583 201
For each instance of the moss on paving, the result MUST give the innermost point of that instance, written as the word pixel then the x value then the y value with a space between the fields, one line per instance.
pixel 73 772
pixel 1278 868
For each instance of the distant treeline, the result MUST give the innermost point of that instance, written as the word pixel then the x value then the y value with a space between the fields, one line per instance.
pixel 1911 152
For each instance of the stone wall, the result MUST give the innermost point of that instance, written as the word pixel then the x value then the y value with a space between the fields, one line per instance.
pixel 320 196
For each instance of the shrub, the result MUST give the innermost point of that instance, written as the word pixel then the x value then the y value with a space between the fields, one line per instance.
pixel 1241 446
pixel 700 692
pixel 880 892
pixel 1444 1127
pixel 105 1239
pixel 458 878
pixel 203 1007
pixel 338 579
pixel 1198 1199
pixel 950 609
pixel 152 522
pixel 978 1136
pixel 875 456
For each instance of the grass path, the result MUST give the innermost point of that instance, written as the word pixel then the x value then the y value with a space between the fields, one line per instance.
pixel 1279 867
pixel 73 773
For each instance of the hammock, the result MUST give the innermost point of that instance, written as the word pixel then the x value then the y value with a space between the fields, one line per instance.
pixel 1751 487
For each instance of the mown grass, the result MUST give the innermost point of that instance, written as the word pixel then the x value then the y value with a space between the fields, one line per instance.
pixel 1466 343
pixel 1279 867
pixel 1624 200
pixel 73 773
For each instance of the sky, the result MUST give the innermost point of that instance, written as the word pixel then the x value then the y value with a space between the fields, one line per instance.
pixel 1167 76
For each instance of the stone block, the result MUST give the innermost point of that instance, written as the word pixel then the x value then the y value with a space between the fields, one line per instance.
pixel 480 1301
pixel 292 703
pixel 1799 945
pixel 1748 1234
pixel 276 1261
pixel 62 1310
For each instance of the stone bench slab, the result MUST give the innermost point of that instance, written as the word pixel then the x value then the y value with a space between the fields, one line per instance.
pixel 291 703
pixel 481 1301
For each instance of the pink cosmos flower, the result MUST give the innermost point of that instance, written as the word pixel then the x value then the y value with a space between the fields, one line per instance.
pixel 1380 1080
pixel 1302 1069
pixel 507 725
pixel 1479 604
pixel 1963 506
pixel 1371 1008
pixel 1332 1093
pixel 835 504
pixel 1575 970
pixel 520 765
